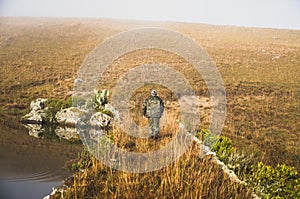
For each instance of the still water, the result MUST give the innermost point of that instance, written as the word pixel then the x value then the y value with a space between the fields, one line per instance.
pixel 30 167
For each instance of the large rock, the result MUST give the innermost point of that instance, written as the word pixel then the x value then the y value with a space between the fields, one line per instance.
pixel 115 113
pixel 100 120
pixel 71 116
pixel 38 104
pixel 37 113
pixel 66 118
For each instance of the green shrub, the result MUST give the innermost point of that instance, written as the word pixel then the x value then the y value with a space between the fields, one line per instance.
pixel 241 163
pixel 207 138
pixel 223 148
pixel 106 112
pixel 68 103
pixel 221 145
pixel 55 105
pixel 83 161
pixel 78 101
pixel 279 182
pixel 268 182
pixel 101 98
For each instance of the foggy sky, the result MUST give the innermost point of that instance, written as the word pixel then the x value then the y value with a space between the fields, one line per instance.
pixel 253 13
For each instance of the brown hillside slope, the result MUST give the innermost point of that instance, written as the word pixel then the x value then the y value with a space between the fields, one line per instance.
pixel 39 57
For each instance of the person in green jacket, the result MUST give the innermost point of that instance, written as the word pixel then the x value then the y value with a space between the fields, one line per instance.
pixel 153 109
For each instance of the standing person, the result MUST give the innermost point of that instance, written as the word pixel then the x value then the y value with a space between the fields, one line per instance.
pixel 153 109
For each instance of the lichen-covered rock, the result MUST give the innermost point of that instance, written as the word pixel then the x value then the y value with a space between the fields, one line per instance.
pixel 115 113
pixel 37 114
pixel 71 116
pixel 35 117
pixel 38 104
pixel 66 120
pixel 100 120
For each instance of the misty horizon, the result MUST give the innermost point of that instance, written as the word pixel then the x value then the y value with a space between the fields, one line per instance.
pixel 267 14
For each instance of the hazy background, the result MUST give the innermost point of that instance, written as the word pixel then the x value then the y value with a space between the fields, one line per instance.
pixel 256 13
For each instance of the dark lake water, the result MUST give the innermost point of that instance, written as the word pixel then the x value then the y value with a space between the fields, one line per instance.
pixel 30 167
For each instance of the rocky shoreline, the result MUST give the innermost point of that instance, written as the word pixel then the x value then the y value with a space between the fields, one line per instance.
pixel 63 125
pixel 64 121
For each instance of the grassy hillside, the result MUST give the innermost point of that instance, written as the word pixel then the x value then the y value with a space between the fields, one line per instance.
pixel 260 69
pixel 40 57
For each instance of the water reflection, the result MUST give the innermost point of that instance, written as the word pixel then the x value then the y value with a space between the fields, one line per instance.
pixel 25 189
pixel 30 167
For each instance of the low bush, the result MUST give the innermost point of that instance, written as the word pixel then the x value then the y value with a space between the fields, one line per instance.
pixel 279 182
pixel 83 161
pixel 266 181
pixel 221 145
pixel 55 105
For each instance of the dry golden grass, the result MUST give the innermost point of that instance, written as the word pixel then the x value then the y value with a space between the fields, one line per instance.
pixel 259 67
pixel 188 177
